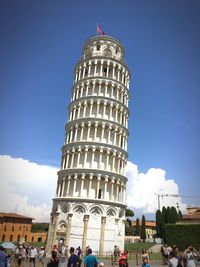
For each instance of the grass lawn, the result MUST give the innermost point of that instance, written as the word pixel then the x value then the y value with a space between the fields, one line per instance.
pixel 137 247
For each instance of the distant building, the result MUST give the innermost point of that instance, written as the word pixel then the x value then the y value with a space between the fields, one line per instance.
pixel 17 228
pixel 192 217
pixel 150 229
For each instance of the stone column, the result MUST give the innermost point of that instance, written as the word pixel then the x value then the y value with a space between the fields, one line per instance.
pixel 82 184
pixel 93 154
pixel 68 184
pixel 101 69
pixel 72 159
pixel 113 162
pixel 88 130
pixel 98 184
pixel 82 128
pixel 117 191
pixel 59 188
pixel 102 132
pixel 90 184
pixel 79 155
pixel 68 233
pixel 89 69
pixel 95 131
pixel 84 71
pixel 100 158
pixel 56 215
pixel 112 189
pixel 93 87
pixel 85 230
pixel 98 104
pixel 107 159
pixel 84 108
pixel 91 106
pixel 74 187
pixel 67 160
pixel 85 157
pixel 87 87
pixel 105 187
pixel 63 187
pixel 104 109
pixel 102 234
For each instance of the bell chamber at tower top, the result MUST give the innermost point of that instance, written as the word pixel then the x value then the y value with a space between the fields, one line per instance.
pixel 104 46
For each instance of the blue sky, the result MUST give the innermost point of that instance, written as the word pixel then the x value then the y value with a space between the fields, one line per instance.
pixel 41 42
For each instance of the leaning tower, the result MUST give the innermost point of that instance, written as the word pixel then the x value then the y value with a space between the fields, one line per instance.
pixel 89 206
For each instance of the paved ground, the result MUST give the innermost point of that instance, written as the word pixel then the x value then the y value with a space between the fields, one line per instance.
pixel 107 263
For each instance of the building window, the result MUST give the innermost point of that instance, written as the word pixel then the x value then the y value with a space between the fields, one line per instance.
pixel 32 239
pixel 3 237
pixel 39 239
pixel 4 228
pixel 11 238
pixel 13 228
pixel 25 238
pixel 18 238
pixel 20 228
pixel 98 47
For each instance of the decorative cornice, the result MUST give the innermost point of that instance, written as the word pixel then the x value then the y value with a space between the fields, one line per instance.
pixel 94 120
pixel 89 200
pixel 101 57
pixel 96 145
pixel 97 78
pixel 110 100
pixel 65 172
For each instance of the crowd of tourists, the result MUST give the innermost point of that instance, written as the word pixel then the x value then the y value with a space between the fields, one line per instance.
pixel 64 257
pixel 173 258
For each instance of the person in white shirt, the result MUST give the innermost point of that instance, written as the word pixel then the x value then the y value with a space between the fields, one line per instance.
pixel 32 255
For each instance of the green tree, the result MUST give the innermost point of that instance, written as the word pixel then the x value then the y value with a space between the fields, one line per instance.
pixel 129 230
pixel 174 215
pixel 128 226
pixel 180 216
pixel 137 229
pixel 39 227
pixel 168 215
pixel 164 215
pixel 143 229
pixel 129 213
pixel 159 224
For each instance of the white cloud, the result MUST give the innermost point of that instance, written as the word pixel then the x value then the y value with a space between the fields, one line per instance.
pixel 142 187
pixel 27 187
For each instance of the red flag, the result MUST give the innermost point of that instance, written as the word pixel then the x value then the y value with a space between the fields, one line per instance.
pixel 100 31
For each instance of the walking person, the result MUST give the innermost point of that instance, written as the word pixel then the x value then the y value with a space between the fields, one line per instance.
pixel 123 259
pixel 41 255
pixel 90 260
pixel 3 257
pixel 32 255
pixel 191 256
pixel 144 256
pixel 173 261
pixel 72 261
pixel 54 261
pixel 79 253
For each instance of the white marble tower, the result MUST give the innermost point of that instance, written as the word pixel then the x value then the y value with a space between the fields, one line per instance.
pixel 89 207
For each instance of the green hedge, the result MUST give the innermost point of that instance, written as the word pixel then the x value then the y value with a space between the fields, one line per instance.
pixel 182 235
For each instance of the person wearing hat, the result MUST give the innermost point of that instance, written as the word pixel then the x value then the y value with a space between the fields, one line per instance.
pixel 90 260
